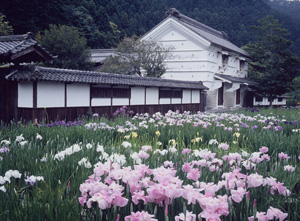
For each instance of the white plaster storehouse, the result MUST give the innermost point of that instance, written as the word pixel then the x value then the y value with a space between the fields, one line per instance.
pixel 201 53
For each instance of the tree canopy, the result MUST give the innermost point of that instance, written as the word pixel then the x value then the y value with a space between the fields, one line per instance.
pixel 5 28
pixel 104 23
pixel 135 57
pixel 273 65
pixel 68 45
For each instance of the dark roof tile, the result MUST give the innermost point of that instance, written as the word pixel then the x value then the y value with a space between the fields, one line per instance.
pixel 30 73
pixel 11 47
pixel 218 38
pixel 236 79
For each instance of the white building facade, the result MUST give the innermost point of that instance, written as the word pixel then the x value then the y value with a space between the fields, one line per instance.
pixel 200 53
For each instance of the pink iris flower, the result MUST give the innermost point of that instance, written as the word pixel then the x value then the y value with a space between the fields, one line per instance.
pixel 238 195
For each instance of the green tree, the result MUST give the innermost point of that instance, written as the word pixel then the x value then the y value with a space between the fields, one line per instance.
pixel 5 28
pixel 68 45
pixel 135 57
pixel 273 65
pixel 294 95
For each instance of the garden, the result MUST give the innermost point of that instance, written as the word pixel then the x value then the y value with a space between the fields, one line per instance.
pixel 173 166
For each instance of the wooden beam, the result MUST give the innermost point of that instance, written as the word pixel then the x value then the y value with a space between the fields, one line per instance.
pixel 35 94
pixel 66 94
pixel 145 96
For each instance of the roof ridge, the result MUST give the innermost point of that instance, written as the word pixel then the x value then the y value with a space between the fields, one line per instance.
pixel 104 74
pixel 33 73
pixel 27 36
pixel 173 12
pixel 204 27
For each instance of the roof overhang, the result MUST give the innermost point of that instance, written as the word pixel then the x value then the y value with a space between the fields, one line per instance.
pixel 36 73
pixel 223 79
pixel 232 79
pixel 22 49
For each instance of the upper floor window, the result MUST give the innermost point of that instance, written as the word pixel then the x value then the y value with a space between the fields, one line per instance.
pixel 224 60
pixel 242 65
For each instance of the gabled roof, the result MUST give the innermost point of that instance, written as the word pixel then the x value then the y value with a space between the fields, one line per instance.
pixel 215 37
pixel 34 73
pixel 22 48
pixel 231 79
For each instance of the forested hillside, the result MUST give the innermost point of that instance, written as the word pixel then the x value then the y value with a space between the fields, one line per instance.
pixel 290 8
pixel 105 22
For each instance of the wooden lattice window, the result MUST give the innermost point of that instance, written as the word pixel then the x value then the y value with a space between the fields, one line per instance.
pixel 106 92
pixel 169 93
pixel 99 92
pixel 121 93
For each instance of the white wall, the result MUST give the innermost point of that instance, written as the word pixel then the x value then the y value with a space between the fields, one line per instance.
pixel 195 96
pixel 176 101
pixel 165 101
pixel 120 101
pixel 137 96
pixel 50 94
pixel 186 96
pixel 152 95
pixel 25 94
pixel 101 101
pixel 78 95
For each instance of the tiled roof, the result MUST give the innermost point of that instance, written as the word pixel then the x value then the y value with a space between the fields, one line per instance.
pixel 235 79
pixel 32 73
pixel 99 55
pixel 218 38
pixel 18 47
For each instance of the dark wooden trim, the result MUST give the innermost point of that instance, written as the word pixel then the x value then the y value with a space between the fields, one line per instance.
pixel 111 96
pixel 129 96
pixel 72 113
pixel 90 95
pixel 159 95
pixel 34 85
pixel 21 53
pixel 221 95
pixel 66 94
pixel 238 97
pixel 15 102
pixel 145 95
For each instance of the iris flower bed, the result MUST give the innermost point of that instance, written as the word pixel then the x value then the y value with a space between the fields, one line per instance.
pixel 177 166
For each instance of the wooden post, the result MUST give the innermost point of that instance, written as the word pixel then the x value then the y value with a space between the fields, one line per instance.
pixel 66 94
pixel 35 94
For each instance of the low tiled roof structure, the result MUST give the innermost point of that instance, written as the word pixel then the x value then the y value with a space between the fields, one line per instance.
pixel 22 48
pixel 99 55
pixel 33 73
pixel 232 79
pixel 218 38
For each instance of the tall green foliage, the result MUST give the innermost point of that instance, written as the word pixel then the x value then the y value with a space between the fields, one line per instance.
pixel 273 66
pixel 5 28
pixel 68 45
